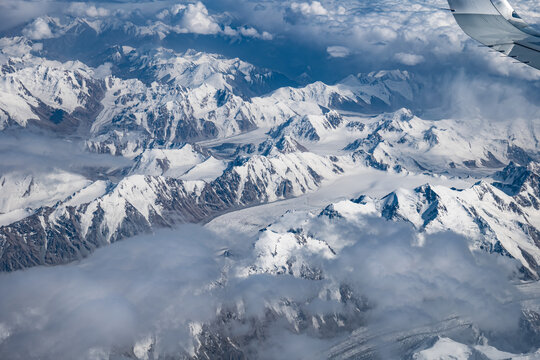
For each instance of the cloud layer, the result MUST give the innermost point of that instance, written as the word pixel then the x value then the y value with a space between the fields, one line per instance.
pixel 159 290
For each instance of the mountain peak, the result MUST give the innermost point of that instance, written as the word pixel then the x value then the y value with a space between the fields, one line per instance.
pixel 515 178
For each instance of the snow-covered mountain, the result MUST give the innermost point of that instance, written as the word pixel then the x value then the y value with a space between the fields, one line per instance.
pixel 102 212
pixel 330 200
pixel 49 94
pixel 166 98
pixel 193 69
pixel 177 98
pixel 191 107
pixel 500 217
pixel 375 91
pixel 402 140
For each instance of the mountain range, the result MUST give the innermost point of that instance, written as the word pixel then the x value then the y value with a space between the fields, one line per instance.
pixel 112 142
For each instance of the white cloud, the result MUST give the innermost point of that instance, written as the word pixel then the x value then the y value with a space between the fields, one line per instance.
pixel 267 36
pixel 341 10
pixel 409 59
pixel 254 33
pixel 384 261
pixel 111 300
pixel 37 30
pixel 162 287
pixel 163 14
pixel 197 20
pixel 37 47
pixel 309 9
pixel 102 71
pixel 374 33
pixel 175 9
pixel 229 31
pixel 86 10
pixel 338 51
pixel 17 46
pixel 249 31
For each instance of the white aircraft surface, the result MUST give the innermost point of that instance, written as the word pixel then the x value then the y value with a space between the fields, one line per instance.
pixel 496 24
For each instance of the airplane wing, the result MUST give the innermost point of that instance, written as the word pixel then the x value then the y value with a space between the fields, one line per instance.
pixel 496 24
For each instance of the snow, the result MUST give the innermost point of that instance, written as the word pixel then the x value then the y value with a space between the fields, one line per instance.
pixel 208 170
pixel 193 69
pixel 454 214
pixel 341 147
pixel 444 349
pixel 448 349
pixel 134 190
pixel 38 81
pixel 274 251
pixel 197 85
pixel 88 194
pixel 167 162
pixel 22 191
pixel 19 109
pixel 13 216
pixel 142 348
pixel 494 354
pixel 127 49
pixel 357 181
pixel 194 186
pixel 188 85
